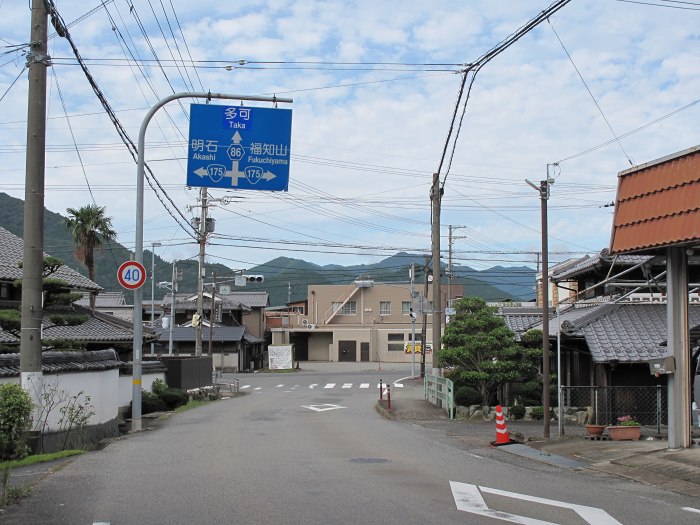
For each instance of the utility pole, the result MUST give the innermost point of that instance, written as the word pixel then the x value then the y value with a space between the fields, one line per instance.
pixel 449 265
pixel 424 327
pixel 211 312
pixel 202 249
pixel 436 200
pixel 153 288
pixel 413 323
pixel 31 375
pixel 173 289
pixel 289 293
pixel 543 190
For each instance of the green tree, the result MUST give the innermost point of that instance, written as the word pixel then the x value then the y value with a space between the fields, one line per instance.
pixel 480 350
pixel 90 227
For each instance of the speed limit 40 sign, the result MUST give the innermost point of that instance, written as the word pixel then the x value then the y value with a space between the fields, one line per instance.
pixel 131 275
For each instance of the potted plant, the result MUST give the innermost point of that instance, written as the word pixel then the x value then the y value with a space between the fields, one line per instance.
pixel 595 430
pixel 626 429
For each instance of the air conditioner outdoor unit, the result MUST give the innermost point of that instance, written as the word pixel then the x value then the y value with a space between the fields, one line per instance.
pixel 311 326
pixel 305 322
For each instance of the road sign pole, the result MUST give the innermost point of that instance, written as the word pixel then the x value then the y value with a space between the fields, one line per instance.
pixel 138 244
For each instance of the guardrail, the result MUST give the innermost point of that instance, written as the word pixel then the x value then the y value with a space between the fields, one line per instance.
pixel 440 392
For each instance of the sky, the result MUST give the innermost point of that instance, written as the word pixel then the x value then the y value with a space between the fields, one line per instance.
pixel 600 86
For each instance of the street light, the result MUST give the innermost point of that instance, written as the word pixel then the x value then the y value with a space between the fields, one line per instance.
pixel 153 288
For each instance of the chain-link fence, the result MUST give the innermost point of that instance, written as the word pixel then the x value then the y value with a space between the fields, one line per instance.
pixel 646 404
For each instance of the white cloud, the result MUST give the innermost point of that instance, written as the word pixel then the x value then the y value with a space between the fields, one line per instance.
pixel 365 144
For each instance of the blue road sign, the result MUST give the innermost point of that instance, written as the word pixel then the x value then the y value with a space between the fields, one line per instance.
pixel 235 147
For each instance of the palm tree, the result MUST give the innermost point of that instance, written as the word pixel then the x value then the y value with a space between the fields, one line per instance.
pixel 89 227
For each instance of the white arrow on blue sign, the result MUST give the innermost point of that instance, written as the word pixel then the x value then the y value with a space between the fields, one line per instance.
pixel 235 147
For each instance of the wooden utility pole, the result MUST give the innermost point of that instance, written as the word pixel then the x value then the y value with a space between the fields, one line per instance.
pixel 212 314
pixel 33 257
pixel 436 200
pixel 200 271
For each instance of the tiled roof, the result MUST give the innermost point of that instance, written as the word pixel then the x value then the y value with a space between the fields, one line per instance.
pixel 625 332
pixel 188 301
pixel 104 300
pixel 222 334
pixel 126 368
pixel 98 328
pixel 658 204
pixel 187 334
pixel 252 299
pixel 12 254
pixel 55 362
pixel 602 260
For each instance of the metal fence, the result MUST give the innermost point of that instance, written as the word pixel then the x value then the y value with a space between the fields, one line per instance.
pixel 646 404
pixel 440 392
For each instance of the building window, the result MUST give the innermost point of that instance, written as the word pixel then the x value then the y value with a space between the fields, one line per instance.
pixel 349 308
pixel 405 307
pixel 395 342
pixel 384 308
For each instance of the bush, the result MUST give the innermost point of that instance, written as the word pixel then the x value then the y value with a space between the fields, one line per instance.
pixel 151 403
pixel 173 398
pixel 531 393
pixel 537 413
pixel 517 411
pixel 15 421
pixel 467 395
pixel 159 386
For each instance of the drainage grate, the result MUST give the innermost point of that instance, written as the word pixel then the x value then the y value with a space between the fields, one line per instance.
pixel 369 460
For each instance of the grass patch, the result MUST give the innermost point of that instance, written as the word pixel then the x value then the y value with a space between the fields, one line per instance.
pixel 39 458
pixel 191 405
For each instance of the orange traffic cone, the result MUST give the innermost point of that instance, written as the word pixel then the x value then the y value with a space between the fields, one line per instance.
pixel 502 437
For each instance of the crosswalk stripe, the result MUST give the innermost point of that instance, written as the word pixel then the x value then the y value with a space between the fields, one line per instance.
pixel 244 387
pixel 347 385
pixel 280 386
pixel 330 385
pixel 398 385
pixel 364 385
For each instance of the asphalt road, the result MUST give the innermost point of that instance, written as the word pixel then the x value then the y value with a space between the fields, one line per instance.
pixel 296 450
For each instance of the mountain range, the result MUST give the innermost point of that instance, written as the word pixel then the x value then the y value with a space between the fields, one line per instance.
pixel 285 279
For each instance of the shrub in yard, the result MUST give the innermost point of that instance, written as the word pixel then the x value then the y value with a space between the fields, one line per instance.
pixel 173 398
pixel 466 396
pixel 517 411
pixel 537 413
pixel 151 403
pixel 531 393
pixel 15 421
pixel 159 386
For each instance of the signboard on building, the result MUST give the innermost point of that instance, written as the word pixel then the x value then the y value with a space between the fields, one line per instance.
pixel 280 357
pixel 419 348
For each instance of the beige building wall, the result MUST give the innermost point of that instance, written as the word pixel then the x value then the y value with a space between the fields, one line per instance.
pixel 363 321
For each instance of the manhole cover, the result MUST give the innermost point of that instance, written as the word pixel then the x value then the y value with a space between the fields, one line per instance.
pixel 369 460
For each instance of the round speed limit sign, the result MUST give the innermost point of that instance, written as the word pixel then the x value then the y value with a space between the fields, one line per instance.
pixel 131 275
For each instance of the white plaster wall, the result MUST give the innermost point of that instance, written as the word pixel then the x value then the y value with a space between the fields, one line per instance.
pixel 101 386
pixel 126 389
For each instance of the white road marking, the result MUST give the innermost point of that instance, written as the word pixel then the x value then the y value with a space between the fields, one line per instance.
pixel 468 499
pixel 313 386
pixel 257 388
pixel 280 386
pixel 244 387
pixel 690 509
pixel 330 385
pixel 364 385
pixel 347 385
pixel 398 385
pixel 322 408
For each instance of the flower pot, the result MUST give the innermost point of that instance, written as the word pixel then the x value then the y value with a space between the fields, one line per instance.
pixel 621 433
pixel 595 430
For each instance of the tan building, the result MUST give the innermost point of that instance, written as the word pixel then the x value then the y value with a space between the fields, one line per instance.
pixel 363 321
